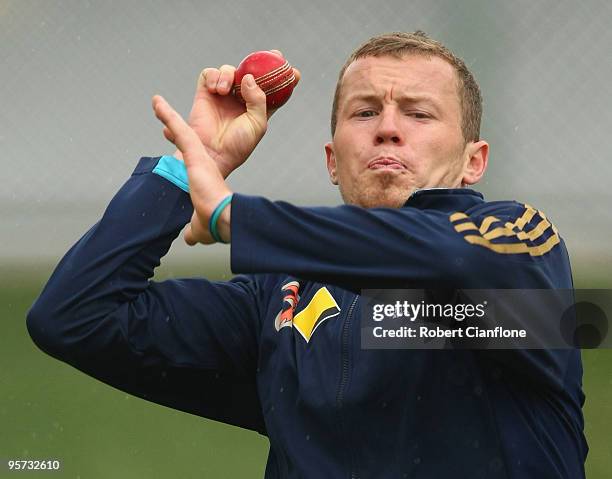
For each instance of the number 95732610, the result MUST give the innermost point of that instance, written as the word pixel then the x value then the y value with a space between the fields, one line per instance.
pixel 33 464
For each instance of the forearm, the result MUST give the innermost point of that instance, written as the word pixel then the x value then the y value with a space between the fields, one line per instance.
pixel 347 245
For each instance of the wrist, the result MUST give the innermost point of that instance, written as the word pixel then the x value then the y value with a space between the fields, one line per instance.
pixel 223 224
pixel 219 219
pixel 225 171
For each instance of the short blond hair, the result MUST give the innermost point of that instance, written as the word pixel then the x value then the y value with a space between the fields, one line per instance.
pixel 399 44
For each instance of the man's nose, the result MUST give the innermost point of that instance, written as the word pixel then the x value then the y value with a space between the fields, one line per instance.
pixel 388 128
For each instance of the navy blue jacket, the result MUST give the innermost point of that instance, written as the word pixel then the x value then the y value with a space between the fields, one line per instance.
pixel 277 349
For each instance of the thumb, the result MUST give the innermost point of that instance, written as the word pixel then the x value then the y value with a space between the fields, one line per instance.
pixel 255 100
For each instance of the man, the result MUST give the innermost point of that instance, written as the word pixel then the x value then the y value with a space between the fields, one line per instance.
pixel 278 349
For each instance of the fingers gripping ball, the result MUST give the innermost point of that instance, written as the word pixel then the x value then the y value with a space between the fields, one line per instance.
pixel 272 73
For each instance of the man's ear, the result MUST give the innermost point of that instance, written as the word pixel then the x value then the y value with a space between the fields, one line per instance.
pixel 331 162
pixel 476 160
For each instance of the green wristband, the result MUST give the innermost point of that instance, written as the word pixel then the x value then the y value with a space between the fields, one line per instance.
pixel 212 223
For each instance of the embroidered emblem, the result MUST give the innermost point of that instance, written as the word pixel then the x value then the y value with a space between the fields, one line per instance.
pixel 322 306
pixel 284 318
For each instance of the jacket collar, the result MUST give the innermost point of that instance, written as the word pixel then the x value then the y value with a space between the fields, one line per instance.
pixel 444 199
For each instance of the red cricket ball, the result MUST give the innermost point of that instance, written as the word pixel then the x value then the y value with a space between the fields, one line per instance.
pixel 272 73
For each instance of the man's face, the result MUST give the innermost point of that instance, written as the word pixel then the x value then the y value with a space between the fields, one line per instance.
pixel 399 129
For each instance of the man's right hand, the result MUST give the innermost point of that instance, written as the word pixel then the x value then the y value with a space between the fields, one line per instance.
pixel 228 129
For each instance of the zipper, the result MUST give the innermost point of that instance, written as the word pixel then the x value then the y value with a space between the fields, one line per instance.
pixel 344 355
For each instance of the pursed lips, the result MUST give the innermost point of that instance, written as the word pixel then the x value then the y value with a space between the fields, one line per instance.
pixel 387 163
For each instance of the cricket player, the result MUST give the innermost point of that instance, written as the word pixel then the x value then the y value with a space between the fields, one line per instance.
pixel 277 349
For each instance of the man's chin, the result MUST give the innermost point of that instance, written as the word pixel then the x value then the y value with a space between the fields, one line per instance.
pixel 384 203
pixel 375 198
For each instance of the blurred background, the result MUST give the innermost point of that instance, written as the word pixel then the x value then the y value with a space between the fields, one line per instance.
pixel 76 81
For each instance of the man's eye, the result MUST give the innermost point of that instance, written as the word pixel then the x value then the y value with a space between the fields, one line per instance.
pixel 366 113
pixel 419 115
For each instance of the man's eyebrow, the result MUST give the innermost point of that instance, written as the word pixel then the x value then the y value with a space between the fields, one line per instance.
pixel 418 99
pixel 400 98
pixel 369 97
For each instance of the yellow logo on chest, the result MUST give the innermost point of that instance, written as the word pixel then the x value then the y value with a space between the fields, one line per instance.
pixel 322 306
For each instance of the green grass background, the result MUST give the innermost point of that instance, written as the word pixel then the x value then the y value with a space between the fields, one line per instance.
pixel 48 410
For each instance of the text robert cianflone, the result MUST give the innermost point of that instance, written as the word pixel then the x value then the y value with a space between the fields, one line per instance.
pixel 438 332
pixel 414 311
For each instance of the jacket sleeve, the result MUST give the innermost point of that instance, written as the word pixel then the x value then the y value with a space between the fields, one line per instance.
pixel 376 248
pixel 362 248
pixel 190 344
